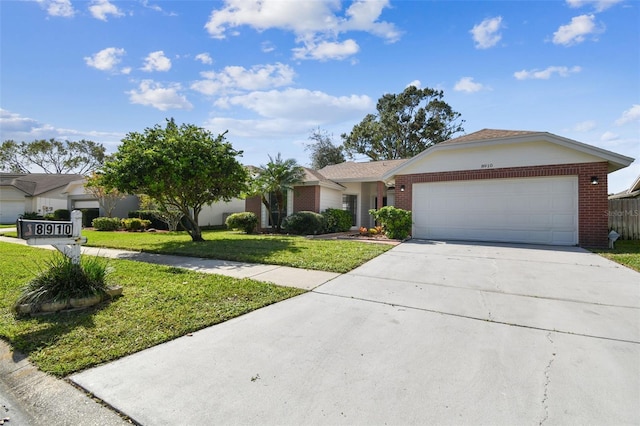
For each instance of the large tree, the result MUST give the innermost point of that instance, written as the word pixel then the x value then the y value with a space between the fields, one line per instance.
pixel 181 166
pixel 405 125
pixel 272 181
pixel 323 151
pixel 51 156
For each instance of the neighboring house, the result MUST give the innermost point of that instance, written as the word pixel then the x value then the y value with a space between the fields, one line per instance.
pixel 491 185
pixel 44 193
pixel 34 192
pixel 632 192
pixel 78 197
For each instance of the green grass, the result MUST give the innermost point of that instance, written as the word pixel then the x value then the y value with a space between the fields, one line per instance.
pixel 158 304
pixel 626 252
pixel 8 226
pixel 299 252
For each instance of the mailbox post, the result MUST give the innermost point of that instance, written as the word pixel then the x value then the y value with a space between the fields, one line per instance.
pixel 64 236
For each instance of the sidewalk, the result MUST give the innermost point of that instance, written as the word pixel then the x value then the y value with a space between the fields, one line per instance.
pixel 36 398
pixel 280 275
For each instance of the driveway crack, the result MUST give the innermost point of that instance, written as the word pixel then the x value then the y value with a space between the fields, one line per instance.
pixel 547 382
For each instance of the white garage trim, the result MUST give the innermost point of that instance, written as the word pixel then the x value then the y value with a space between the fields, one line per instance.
pixel 526 210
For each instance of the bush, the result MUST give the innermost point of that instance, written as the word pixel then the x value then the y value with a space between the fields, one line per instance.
pixel 150 215
pixel 336 220
pixel 304 223
pixel 106 223
pixel 135 224
pixel 245 221
pixel 63 280
pixel 31 216
pixel 395 222
pixel 62 214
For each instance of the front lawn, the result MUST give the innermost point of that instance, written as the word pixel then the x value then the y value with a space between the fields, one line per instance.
pixel 299 252
pixel 158 304
pixel 626 252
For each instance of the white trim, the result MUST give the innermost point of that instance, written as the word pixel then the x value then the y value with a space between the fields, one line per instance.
pixel 616 161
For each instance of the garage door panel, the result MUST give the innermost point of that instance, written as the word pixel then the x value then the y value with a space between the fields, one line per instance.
pixel 531 210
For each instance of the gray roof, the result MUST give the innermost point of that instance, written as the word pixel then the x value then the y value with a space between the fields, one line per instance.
pixel 34 184
pixel 485 134
pixel 363 172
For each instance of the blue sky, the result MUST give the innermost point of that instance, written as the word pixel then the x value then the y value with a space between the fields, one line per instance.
pixel 271 72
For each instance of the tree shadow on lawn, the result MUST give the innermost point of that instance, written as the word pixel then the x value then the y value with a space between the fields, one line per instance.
pixel 50 328
pixel 242 250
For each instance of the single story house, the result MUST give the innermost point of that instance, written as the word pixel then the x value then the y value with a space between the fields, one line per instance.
pixel 490 185
pixel 43 193
pixel 632 193
pixel 33 192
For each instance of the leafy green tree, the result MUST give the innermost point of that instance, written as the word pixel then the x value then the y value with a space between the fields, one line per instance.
pixel 405 125
pixel 184 166
pixel 323 151
pixel 271 183
pixel 52 156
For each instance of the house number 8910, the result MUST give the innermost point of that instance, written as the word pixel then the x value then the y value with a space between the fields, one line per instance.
pixel 487 166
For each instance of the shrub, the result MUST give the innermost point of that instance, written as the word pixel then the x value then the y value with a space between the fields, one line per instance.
pixel 61 214
pixel 31 215
pixel 135 224
pixel 336 220
pixel 304 223
pixel 63 280
pixel 395 222
pixel 106 223
pixel 245 221
pixel 150 215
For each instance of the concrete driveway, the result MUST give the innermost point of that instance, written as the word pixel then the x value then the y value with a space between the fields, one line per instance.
pixel 427 333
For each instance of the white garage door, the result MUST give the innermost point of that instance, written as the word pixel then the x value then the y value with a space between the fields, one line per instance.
pixel 531 210
pixel 10 211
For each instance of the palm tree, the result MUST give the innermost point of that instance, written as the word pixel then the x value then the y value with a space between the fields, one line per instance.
pixel 272 182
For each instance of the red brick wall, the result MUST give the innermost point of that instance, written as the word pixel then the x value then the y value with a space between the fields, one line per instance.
pixel 254 205
pixel 306 198
pixel 592 199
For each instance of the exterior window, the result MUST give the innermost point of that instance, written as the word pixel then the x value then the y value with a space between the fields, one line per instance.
pixel 274 206
pixel 350 204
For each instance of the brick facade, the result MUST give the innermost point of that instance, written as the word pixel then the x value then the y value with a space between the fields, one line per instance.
pixel 306 198
pixel 592 199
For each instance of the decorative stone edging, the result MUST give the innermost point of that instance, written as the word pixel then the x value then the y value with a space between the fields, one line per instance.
pixel 70 304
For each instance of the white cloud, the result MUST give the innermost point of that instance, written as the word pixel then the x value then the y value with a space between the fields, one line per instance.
pixel 163 98
pixel 547 73
pixel 156 61
pixel 205 58
pixel 296 104
pixel 326 50
pixel 415 83
pixel 576 31
pixel 16 127
pixel 316 24
pixel 234 78
pixel 599 5
pixel 106 59
pixel 62 8
pixel 585 126
pixel 466 84
pixel 101 8
pixel 629 116
pixel 609 136
pixel 487 33
pixel 267 47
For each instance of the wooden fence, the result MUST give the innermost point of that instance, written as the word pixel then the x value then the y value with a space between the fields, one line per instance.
pixel 624 218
